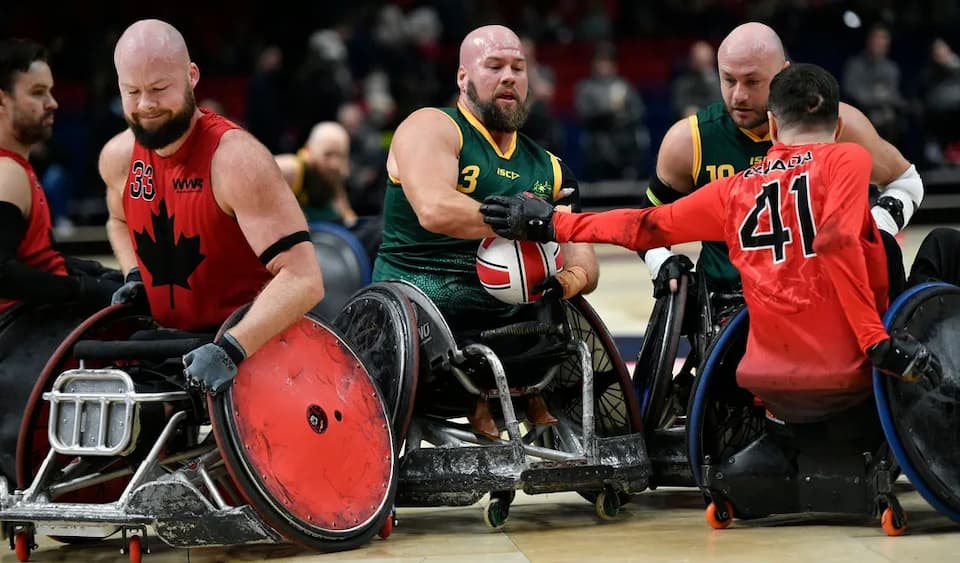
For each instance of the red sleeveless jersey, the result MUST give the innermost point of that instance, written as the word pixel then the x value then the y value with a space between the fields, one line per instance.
pixel 36 248
pixel 195 261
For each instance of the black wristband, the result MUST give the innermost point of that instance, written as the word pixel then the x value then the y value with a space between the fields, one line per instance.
pixel 231 347
pixel 133 275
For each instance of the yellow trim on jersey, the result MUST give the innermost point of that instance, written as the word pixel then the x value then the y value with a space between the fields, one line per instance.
pixel 557 175
pixel 301 157
pixel 455 124
pixel 653 199
pixel 486 134
pixel 753 136
pixel 392 179
pixel 697 150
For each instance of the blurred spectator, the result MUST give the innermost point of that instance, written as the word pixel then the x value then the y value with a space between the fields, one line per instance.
pixel 541 126
pixel 265 116
pixel 615 140
pixel 368 172
pixel 872 83
pixel 940 93
pixel 322 81
pixel 699 84
pixel 318 174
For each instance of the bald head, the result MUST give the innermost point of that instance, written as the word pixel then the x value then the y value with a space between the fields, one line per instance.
pixel 328 148
pixel 480 42
pixel 748 59
pixel 151 40
pixel 754 41
pixel 327 132
pixel 492 77
pixel 156 81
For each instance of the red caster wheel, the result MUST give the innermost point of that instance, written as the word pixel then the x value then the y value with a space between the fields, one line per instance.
pixel 22 541
pixel 719 517
pixel 387 528
pixel 894 523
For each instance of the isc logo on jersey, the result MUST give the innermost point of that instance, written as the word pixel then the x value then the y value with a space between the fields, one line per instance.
pixel 509 270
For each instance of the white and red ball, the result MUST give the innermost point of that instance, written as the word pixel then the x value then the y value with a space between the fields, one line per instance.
pixel 510 269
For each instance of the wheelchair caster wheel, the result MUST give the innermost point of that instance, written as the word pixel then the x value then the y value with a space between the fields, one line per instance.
pixel 607 504
pixel 133 549
pixel 387 528
pixel 719 517
pixel 22 544
pixel 496 512
pixel 893 522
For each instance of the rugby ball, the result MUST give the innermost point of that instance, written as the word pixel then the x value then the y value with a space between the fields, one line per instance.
pixel 510 269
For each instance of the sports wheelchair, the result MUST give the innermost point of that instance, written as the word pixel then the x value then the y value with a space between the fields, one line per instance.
pixel 430 377
pixel 750 467
pixel 663 391
pixel 298 448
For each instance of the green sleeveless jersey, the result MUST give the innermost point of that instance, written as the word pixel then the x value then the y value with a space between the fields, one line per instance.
pixel 721 149
pixel 445 267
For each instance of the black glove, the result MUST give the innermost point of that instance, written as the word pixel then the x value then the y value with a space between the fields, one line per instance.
pixel 519 217
pixel 132 291
pixel 97 291
pixel 903 357
pixel 550 288
pixel 671 269
pixel 77 266
pixel 213 366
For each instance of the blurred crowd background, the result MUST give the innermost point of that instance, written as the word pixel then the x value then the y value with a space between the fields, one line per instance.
pixel 607 77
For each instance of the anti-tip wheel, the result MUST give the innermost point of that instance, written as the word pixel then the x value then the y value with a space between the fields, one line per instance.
pixel 608 504
pixel 496 513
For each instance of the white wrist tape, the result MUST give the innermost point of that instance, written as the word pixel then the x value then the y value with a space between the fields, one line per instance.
pixel 654 258
pixel 908 188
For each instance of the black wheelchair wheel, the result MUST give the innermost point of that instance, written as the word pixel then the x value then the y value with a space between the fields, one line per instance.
pixel 616 410
pixel 920 424
pixel 653 373
pixel 380 323
pixel 722 418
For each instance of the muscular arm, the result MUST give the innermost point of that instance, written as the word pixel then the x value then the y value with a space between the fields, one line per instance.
pixel 18 280
pixel 888 163
pixel 698 216
pixel 113 165
pixel 837 242
pixel 902 186
pixel 247 184
pixel 424 157
pixel 675 158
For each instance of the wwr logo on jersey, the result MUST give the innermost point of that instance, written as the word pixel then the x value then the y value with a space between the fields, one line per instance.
pixel 181 185
pixel 142 185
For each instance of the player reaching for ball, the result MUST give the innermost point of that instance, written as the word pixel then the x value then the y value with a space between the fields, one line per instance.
pixel 801 234
pixel 442 162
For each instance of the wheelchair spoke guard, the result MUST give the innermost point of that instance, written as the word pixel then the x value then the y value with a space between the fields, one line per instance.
pixel 304 433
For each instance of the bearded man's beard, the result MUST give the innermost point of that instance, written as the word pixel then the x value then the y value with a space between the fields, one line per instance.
pixel 495 118
pixel 167 132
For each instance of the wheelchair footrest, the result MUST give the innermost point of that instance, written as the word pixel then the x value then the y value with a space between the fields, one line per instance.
pixel 466 469
pixel 623 462
pixel 236 525
pixel 668 458
pixel 180 514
